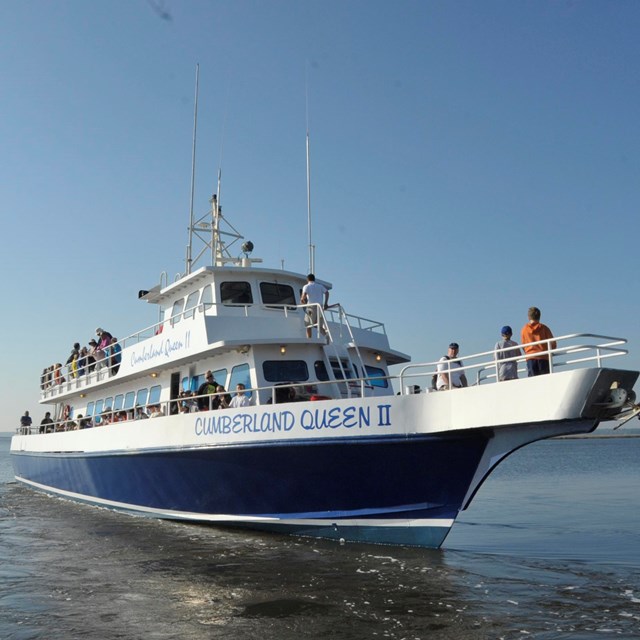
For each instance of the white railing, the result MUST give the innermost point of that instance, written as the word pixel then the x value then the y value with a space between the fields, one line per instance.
pixel 483 367
pixel 572 350
pixel 64 380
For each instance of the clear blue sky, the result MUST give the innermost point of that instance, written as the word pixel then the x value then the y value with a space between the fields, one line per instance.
pixel 469 160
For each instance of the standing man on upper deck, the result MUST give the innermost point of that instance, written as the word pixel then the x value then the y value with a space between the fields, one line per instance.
pixel 534 331
pixel 314 293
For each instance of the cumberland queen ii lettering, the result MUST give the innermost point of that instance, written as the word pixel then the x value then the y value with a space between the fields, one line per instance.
pixel 224 423
pixel 166 348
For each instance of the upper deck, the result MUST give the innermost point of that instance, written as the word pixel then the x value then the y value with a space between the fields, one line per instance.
pixel 217 309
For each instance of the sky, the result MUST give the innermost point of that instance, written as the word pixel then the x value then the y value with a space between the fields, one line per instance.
pixel 468 160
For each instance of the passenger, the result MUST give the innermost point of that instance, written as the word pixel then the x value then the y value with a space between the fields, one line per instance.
pixel 507 370
pixel 95 355
pixel 533 331
pixel 25 423
pixel 458 378
pixel 140 414
pixel 223 398
pixel 83 361
pixel 155 411
pixel 46 424
pixel 240 399
pixel 314 294
pixel 208 387
pixel 43 379
pixel 75 352
pixel 84 423
pixel 104 338
pixel 115 357
pixel 187 403
pixel 58 378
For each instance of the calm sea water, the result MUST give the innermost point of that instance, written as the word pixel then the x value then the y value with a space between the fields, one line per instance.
pixel 549 549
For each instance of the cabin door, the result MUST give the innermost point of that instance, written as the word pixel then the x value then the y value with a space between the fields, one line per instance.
pixel 175 392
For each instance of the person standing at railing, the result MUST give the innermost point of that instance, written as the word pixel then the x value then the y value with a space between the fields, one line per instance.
pixel 46 424
pixel 75 352
pixel 207 388
pixel 25 423
pixel 241 399
pixel 115 357
pixel 538 361
pixel 449 376
pixel 314 293
pixel 507 370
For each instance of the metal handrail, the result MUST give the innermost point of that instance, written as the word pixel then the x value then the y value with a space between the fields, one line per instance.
pixel 599 352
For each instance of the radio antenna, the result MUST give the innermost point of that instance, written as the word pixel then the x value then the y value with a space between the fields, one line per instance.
pixel 311 247
pixel 193 173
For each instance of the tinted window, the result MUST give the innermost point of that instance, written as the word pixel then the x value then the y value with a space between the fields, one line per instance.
pixel 118 402
pixel 206 298
pixel 240 374
pixel 141 398
pixel 274 293
pixel 90 409
pixel 220 376
pixel 176 311
pixel 129 399
pixel 108 404
pixel 99 406
pixel 154 394
pixel 375 372
pixel 285 370
pixel 235 293
pixel 191 303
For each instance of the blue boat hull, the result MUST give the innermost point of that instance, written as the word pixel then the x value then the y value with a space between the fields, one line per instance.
pixel 351 489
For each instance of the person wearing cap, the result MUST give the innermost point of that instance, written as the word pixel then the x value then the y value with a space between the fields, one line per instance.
pixel 104 338
pixel 449 376
pixel 91 355
pixel 507 370
pixel 538 362
pixel 207 388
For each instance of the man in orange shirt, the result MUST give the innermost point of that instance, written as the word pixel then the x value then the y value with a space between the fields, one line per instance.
pixel 534 331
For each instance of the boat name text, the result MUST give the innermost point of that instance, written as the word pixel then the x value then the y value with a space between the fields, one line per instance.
pixel 223 423
pixel 167 348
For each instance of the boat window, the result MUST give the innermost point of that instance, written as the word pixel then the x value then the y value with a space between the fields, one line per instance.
pixel 285 370
pixel 141 398
pixel 277 294
pixel 373 373
pixel 99 406
pixel 320 370
pixel 235 293
pixel 176 310
pixel 206 298
pixel 118 402
pixel 190 305
pixel 240 374
pixel 108 404
pixel 90 409
pixel 185 384
pixel 154 394
pixel 220 376
pixel 129 400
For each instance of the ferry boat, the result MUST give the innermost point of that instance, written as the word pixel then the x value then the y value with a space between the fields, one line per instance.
pixel 327 442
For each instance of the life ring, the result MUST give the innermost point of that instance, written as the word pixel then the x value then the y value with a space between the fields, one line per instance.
pixel 66 411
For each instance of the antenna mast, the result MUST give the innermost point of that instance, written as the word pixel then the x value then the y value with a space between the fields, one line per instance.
pixel 311 247
pixel 189 260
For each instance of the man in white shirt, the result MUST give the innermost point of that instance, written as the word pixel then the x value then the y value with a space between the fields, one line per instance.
pixel 449 365
pixel 314 294
pixel 240 399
